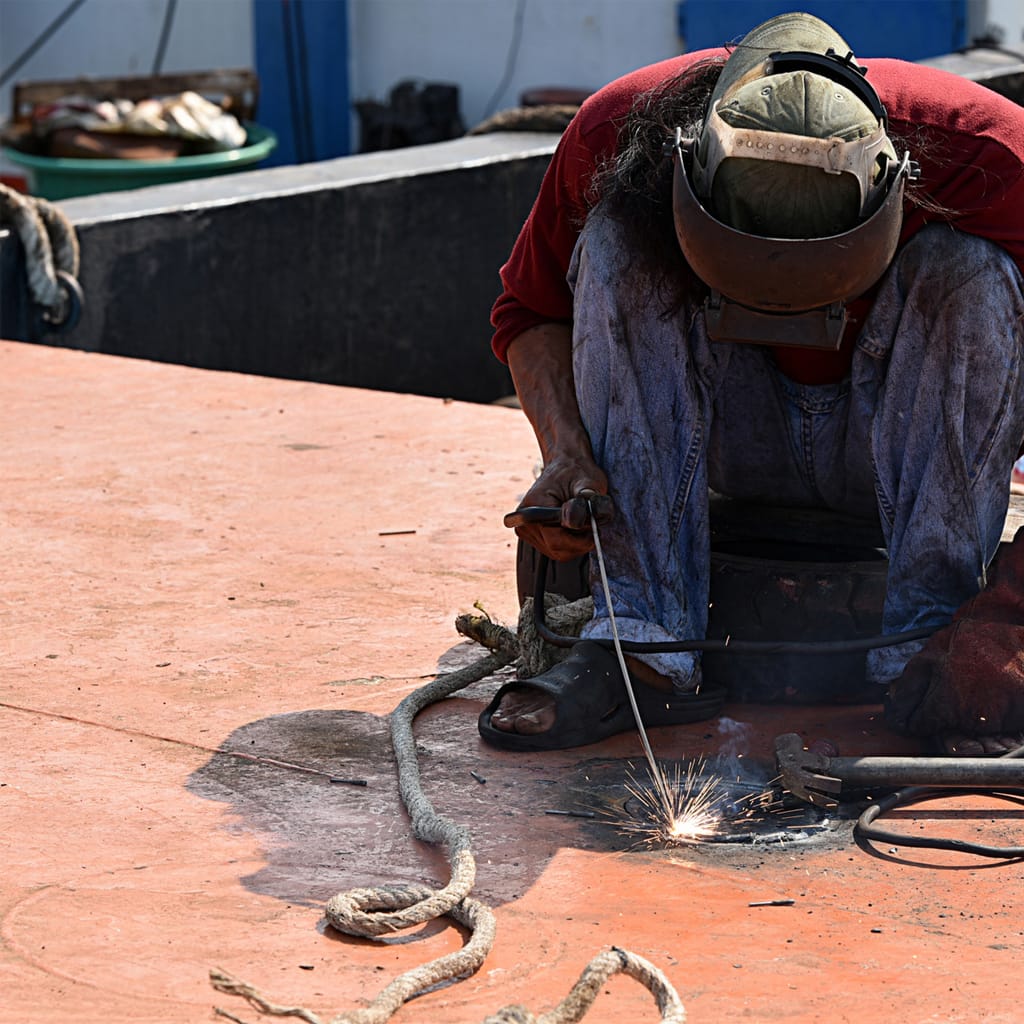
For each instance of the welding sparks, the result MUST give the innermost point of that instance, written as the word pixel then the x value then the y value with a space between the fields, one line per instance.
pixel 677 808
pixel 680 807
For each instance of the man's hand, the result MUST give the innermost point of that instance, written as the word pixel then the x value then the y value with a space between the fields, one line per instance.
pixel 966 686
pixel 574 485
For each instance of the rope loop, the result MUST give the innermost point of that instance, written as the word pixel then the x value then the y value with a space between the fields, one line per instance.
pixel 579 1000
pixel 361 911
pixel 52 257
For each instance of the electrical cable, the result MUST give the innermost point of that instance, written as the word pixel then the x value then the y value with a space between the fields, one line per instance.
pixel 29 52
pixel 728 646
pixel 865 829
pixel 510 59
pixel 165 34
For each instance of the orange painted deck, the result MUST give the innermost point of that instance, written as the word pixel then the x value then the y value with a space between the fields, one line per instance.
pixel 198 563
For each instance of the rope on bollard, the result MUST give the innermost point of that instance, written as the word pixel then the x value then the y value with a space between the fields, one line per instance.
pixel 51 255
pixel 375 911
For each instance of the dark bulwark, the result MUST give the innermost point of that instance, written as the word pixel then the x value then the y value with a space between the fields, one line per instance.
pixel 374 271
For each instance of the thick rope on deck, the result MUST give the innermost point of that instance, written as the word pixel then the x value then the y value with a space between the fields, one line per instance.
pixel 575 1005
pixel 375 911
pixel 50 245
pixel 365 912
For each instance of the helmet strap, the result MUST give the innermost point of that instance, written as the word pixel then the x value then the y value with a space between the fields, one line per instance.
pixel 820 328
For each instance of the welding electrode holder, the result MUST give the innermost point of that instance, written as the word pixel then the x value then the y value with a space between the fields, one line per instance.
pixel 553 516
pixel 573 515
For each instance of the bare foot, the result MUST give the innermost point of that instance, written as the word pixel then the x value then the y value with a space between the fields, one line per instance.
pixel 525 711
pixel 980 746
pixel 529 711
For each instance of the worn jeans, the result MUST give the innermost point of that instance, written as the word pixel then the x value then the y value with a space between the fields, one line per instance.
pixel 922 433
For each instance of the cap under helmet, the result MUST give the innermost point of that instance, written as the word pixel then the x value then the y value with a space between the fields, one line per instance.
pixel 790 202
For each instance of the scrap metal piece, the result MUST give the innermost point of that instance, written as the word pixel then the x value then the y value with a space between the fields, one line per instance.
pixel 806 773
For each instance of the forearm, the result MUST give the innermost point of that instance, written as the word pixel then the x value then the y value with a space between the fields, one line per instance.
pixel 540 361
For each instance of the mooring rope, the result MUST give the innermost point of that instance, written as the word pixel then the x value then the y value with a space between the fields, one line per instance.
pixel 373 912
pixel 51 250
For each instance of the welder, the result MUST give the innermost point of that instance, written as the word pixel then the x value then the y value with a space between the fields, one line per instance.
pixel 788 276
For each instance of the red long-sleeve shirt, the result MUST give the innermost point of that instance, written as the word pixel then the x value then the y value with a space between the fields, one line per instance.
pixel 971 157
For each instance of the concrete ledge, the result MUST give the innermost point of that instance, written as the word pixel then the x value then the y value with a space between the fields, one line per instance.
pixel 999 70
pixel 373 271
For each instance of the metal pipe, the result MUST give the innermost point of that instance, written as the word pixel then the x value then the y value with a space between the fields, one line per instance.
pixel 956 772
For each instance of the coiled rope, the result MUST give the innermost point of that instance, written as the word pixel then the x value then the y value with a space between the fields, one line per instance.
pixel 372 912
pixel 51 255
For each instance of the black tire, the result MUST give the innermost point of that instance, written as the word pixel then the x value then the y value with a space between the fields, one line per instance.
pixel 774 592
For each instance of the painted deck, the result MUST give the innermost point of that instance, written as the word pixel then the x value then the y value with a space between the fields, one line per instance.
pixel 206 572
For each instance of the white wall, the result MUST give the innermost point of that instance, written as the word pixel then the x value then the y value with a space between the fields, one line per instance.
pixel 120 37
pixel 577 43
pixel 1008 15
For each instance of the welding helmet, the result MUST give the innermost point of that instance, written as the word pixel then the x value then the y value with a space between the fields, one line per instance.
pixel 790 201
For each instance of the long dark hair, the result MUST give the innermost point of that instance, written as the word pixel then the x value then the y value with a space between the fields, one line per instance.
pixel 635 186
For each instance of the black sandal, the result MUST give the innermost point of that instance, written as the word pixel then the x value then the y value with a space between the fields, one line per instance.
pixel 591 703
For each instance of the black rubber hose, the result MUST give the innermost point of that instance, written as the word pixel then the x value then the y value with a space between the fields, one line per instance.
pixel 854 646
pixel 865 829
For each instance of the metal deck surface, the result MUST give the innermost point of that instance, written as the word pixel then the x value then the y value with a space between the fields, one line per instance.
pixel 210 577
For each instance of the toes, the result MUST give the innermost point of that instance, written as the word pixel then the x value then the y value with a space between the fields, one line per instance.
pixel 533 722
pixel 524 713
pixel 980 746
pixel 962 746
pixel 1005 743
pixel 992 744
pixel 999 745
pixel 1013 742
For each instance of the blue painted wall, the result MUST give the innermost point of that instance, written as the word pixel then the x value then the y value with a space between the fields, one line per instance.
pixel 910 29
pixel 302 60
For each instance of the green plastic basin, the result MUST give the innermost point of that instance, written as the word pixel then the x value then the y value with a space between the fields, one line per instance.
pixel 65 178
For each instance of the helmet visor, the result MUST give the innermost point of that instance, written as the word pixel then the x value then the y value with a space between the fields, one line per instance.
pixel 785 275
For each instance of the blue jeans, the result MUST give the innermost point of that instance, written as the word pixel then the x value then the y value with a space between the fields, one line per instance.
pixel 922 433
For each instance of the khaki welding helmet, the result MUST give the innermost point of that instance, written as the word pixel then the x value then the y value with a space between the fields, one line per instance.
pixel 791 201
